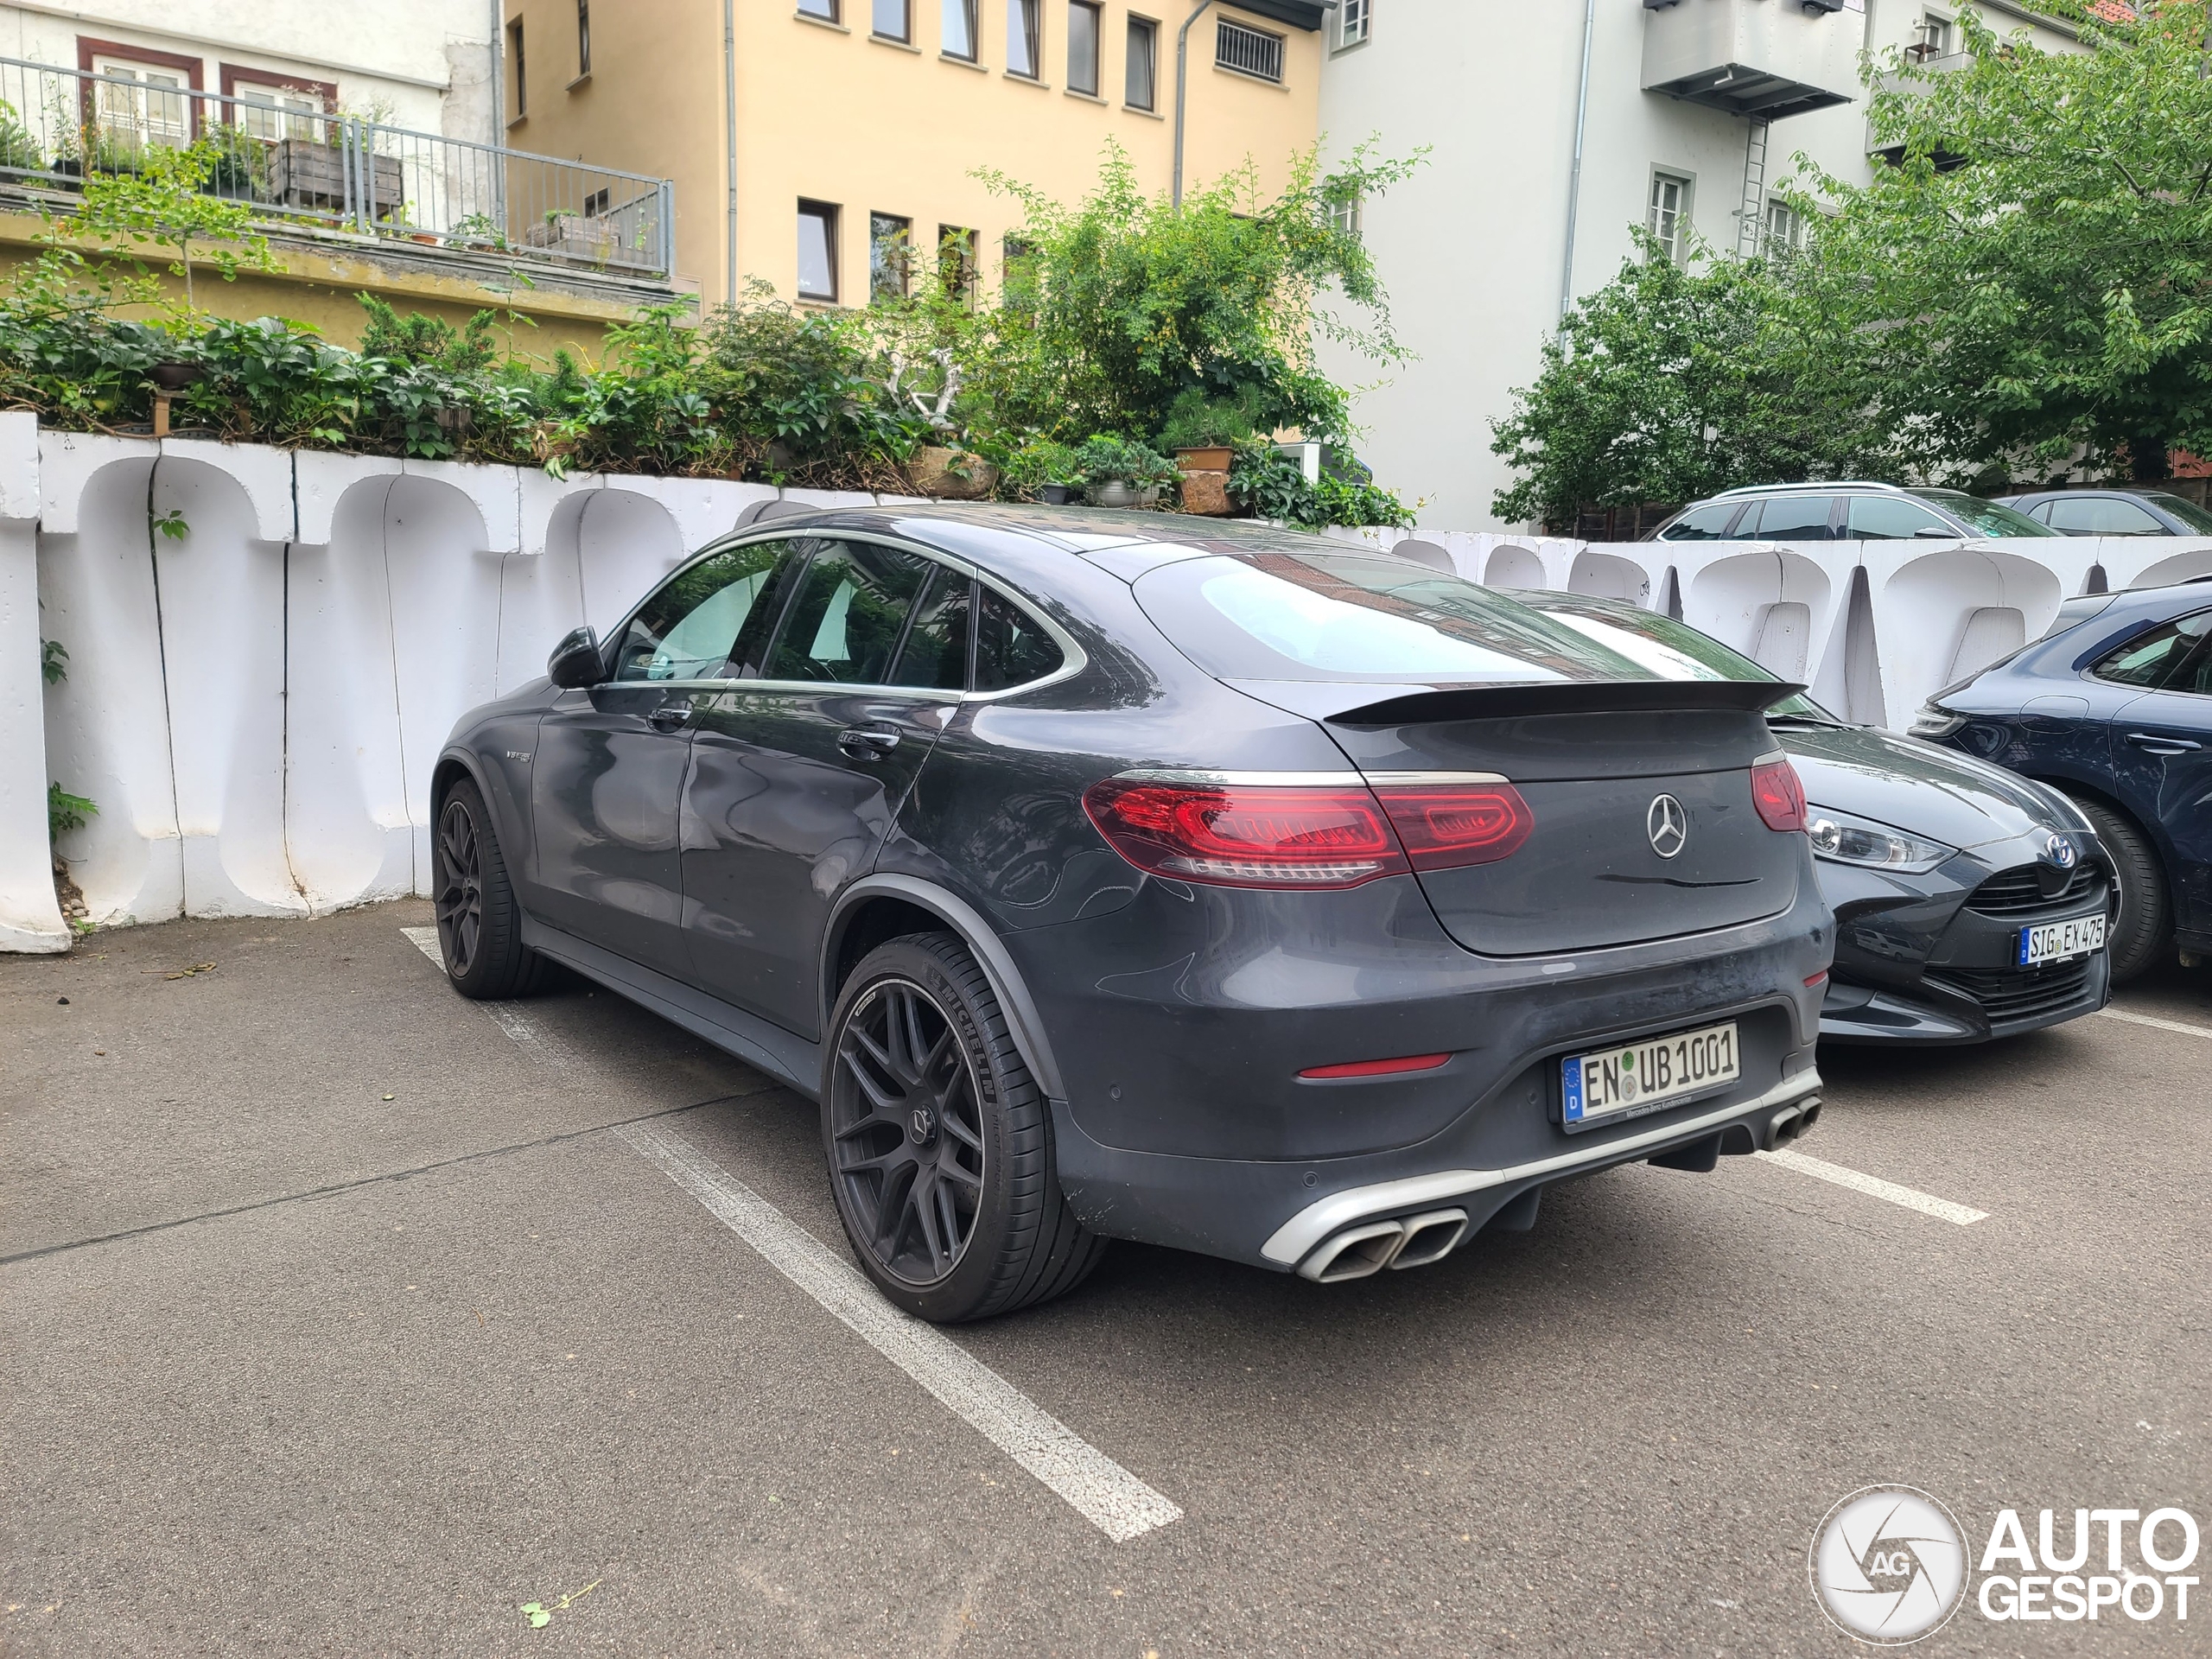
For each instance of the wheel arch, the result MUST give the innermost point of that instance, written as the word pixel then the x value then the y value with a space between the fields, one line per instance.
pixel 880 907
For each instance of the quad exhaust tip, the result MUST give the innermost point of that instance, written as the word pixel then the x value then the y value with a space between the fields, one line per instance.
pixel 1412 1241
pixel 1787 1126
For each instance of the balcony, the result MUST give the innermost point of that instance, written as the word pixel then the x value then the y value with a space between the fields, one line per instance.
pixel 324 176
pixel 1764 59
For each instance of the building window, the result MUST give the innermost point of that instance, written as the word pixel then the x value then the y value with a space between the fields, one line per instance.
pixel 1355 22
pixel 515 71
pixel 893 20
pixel 1344 217
pixel 1017 274
pixel 1783 233
pixel 1931 38
pixel 1082 47
pixel 1142 82
pixel 956 262
pixel 817 251
pixel 890 256
pixel 1248 51
pixel 150 110
pixel 1671 214
pixel 960 29
pixel 584 38
pixel 271 112
pixel 825 9
pixel 1024 38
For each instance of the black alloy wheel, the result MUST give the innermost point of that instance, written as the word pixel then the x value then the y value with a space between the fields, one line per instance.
pixel 480 923
pixel 2141 932
pixel 458 895
pixel 940 1143
pixel 907 1129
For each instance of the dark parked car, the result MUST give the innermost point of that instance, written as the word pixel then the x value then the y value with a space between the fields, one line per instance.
pixel 2113 705
pixel 2114 513
pixel 1845 511
pixel 1120 874
pixel 1970 903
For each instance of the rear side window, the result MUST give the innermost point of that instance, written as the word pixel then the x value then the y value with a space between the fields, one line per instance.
pixel 1893 518
pixel 844 621
pixel 1012 647
pixel 2153 659
pixel 1706 523
pixel 1987 518
pixel 1319 616
pixel 689 627
pixel 934 653
pixel 1794 518
pixel 2101 515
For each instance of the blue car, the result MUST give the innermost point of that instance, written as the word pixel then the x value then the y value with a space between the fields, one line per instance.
pixel 2113 706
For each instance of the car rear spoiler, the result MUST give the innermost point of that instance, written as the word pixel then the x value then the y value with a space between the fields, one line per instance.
pixel 1346 702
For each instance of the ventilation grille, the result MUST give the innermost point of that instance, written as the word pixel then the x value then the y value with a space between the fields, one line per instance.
pixel 2010 993
pixel 2022 892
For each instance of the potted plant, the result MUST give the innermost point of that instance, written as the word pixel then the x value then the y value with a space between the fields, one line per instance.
pixel 1122 473
pixel 946 472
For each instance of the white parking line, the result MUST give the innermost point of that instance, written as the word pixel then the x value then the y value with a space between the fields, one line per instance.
pixel 1875 1187
pixel 2162 1025
pixel 509 1018
pixel 1105 1494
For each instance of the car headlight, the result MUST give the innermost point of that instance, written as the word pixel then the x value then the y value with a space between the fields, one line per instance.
pixel 1933 721
pixel 1843 839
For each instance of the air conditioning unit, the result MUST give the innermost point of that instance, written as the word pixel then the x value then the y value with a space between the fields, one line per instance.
pixel 1765 58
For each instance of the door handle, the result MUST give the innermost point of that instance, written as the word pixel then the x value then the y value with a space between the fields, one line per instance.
pixel 867 742
pixel 2158 745
pixel 668 716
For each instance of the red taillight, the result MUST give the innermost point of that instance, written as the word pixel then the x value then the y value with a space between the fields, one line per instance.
pixel 1246 834
pixel 1444 826
pixel 1778 795
pixel 1377 1068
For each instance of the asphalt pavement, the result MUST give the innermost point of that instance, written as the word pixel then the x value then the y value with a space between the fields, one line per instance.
pixel 343 1315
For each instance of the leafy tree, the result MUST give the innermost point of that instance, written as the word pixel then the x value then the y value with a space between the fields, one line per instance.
pixel 1672 382
pixel 2034 273
pixel 1131 303
pixel 160 201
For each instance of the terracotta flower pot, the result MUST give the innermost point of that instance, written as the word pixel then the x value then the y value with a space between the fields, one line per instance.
pixel 1210 458
pixel 932 471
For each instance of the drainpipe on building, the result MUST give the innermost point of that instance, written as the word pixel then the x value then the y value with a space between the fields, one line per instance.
pixel 1182 64
pixel 729 136
pixel 1575 173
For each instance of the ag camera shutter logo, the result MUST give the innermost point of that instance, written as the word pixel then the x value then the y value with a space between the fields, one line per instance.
pixel 1888 1565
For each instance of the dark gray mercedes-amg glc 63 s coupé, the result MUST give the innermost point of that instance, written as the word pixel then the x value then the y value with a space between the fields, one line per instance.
pixel 1124 875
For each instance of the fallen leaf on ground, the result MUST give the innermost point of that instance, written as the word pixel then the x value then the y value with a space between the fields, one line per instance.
pixel 196 968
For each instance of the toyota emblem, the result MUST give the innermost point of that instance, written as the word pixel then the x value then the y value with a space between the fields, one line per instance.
pixel 1668 825
pixel 2058 853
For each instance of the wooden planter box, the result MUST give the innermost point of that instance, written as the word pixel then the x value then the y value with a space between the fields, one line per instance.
pixel 304 174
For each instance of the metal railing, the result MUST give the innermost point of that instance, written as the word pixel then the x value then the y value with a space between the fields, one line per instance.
pixel 303 166
pixel 1248 51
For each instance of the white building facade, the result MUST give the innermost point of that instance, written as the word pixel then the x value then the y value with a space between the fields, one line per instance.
pixel 1551 131
pixel 425 65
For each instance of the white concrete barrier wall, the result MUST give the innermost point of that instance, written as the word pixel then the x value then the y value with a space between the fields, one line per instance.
pixel 256 705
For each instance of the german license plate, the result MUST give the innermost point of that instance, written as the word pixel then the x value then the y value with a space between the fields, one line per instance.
pixel 2055 941
pixel 1644 1076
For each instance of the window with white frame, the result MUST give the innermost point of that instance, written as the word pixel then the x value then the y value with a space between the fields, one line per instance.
pixel 1783 233
pixel 141 105
pixel 1355 22
pixel 1932 38
pixel 271 112
pixel 1671 214
pixel 1344 217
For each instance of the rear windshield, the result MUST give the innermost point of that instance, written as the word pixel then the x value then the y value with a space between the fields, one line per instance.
pixel 1321 616
pixel 1675 651
pixel 1986 518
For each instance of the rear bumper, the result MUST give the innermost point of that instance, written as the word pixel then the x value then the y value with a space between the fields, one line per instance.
pixel 1186 1123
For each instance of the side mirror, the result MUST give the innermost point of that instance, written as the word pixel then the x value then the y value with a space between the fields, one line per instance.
pixel 575 662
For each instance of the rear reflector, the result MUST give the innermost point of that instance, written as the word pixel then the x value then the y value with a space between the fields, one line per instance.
pixel 1246 834
pixel 1778 795
pixel 1820 978
pixel 1445 826
pixel 1377 1068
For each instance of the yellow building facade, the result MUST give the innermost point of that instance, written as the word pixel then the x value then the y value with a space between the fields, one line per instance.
pixel 808 139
